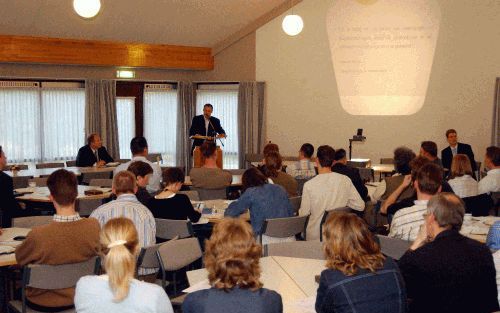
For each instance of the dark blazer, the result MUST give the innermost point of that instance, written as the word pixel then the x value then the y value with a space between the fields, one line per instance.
pixel 9 207
pixel 463 148
pixel 353 174
pixel 86 157
pixel 452 273
pixel 198 127
pixel 234 300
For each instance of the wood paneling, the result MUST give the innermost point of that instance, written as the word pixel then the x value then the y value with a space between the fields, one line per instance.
pixel 22 49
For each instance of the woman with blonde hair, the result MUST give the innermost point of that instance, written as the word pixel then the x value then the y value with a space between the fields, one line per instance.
pixel 118 291
pixel 232 261
pixel 358 277
pixel 461 180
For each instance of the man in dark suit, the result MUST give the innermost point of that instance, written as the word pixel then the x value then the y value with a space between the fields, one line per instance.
pixel 93 153
pixel 8 205
pixel 455 148
pixel 340 166
pixel 206 125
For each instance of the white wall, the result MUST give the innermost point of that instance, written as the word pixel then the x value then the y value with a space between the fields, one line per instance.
pixel 303 102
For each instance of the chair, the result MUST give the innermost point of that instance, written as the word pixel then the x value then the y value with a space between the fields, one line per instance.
pixel 479 205
pixel 386 161
pixel 285 227
pixel 174 255
pixel 253 157
pixel 71 163
pixel 19 167
pixel 345 209
pixel 39 181
pixel 50 165
pixel 43 277
pixel 393 247
pixel 20 181
pixel 85 207
pixel 87 177
pixel 478 170
pixel 211 194
pixel 295 201
pixel 154 157
pixel 169 229
pixel 147 258
pixel 237 171
pixel 367 174
pixel 101 182
pixel 192 194
pixel 296 249
pixel 121 161
pixel 31 221
pixel 495 197
pixel 300 185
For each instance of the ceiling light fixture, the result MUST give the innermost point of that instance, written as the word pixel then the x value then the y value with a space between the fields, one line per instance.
pixel 87 8
pixel 292 24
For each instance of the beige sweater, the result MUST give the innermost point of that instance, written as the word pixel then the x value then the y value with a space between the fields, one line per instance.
pixel 210 178
pixel 54 244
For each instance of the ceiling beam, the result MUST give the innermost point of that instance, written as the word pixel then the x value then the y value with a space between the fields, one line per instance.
pixel 253 26
pixel 23 49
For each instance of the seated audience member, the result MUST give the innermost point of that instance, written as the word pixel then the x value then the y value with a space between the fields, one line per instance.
pixel 232 261
pixel 263 200
pixel 402 158
pixel 93 153
pixel 304 168
pixel 210 176
pixel 127 205
pixel 67 239
pixel 358 277
pixel 272 170
pixel 327 191
pixel 491 183
pixel 429 150
pixel 142 172
pixel 445 271
pixel 168 204
pixel 455 148
pixel 9 207
pixel 461 180
pixel 270 147
pixel 139 149
pixel 340 166
pixel 406 222
pixel 117 290
pixel 493 242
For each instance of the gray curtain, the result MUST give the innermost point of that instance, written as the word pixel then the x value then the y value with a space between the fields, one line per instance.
pixel 495 140
pixel 100 113
pixel 250 119
pixel 186 111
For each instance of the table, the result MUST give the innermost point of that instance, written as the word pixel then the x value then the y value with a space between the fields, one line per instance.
pixel 478 226
pixel 235 182
pixel 41 194
pixel 7 239
pixel 292 278
pixel 42 172
pixel 218 207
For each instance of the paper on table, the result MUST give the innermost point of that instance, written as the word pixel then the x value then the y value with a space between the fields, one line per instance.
pixel 202 220
pixel 8 234
pixel 202 285
pixel 305 305
pixel 6 249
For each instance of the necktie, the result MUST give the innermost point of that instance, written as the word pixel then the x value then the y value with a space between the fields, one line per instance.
pixel 96 156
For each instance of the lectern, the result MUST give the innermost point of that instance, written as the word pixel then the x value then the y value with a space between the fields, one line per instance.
pixel 198 158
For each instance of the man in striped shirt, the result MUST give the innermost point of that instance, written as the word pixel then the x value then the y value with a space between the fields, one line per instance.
pixel 406 222
pixel 127 205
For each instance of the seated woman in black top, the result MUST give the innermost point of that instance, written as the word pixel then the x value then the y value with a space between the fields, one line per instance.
pixel 232 261
pixel 170 205
pixel 142 172
pixel 358 277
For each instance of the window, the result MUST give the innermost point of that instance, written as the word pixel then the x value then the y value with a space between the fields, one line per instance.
pixel 224 99
pixel 160 121
pixel 41 124
pixel 125 111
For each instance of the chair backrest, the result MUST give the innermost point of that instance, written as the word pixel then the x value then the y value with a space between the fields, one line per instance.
pixel 123 160
pixel 39 181
pixel 169 229
pixel 192 194
pixel 296 249
pixel 478 170
pixel 367 174
pixel 386 161
pixel 238 171
pixel 49 165
pixel 71 163
pixel 85 207
pixel 20 181
pixel 101 182
pixel 285 226
pixel 211 194
pixel 290 158
pixel 176 254
pixel 495 196
pixel 19 167
pixel 300 184
pixel 148 258
pixel 479 205
pixel 393 247
pixel 154 157
pixel 344 209
pixel 253 157
pixel 87 177
pixel 295 201
pixel 31 221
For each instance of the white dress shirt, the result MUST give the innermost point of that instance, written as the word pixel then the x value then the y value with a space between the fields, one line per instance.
pixel 491 182
pixel 326 192
pixel 154 180
pixel 464 186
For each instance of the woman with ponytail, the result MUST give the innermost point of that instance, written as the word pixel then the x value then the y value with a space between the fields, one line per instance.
pixel 118 291
pixel 232 261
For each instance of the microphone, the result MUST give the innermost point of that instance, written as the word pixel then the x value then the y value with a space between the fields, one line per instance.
pixel 215 132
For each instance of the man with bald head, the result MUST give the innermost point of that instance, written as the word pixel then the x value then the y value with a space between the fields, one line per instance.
pixel 93 153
